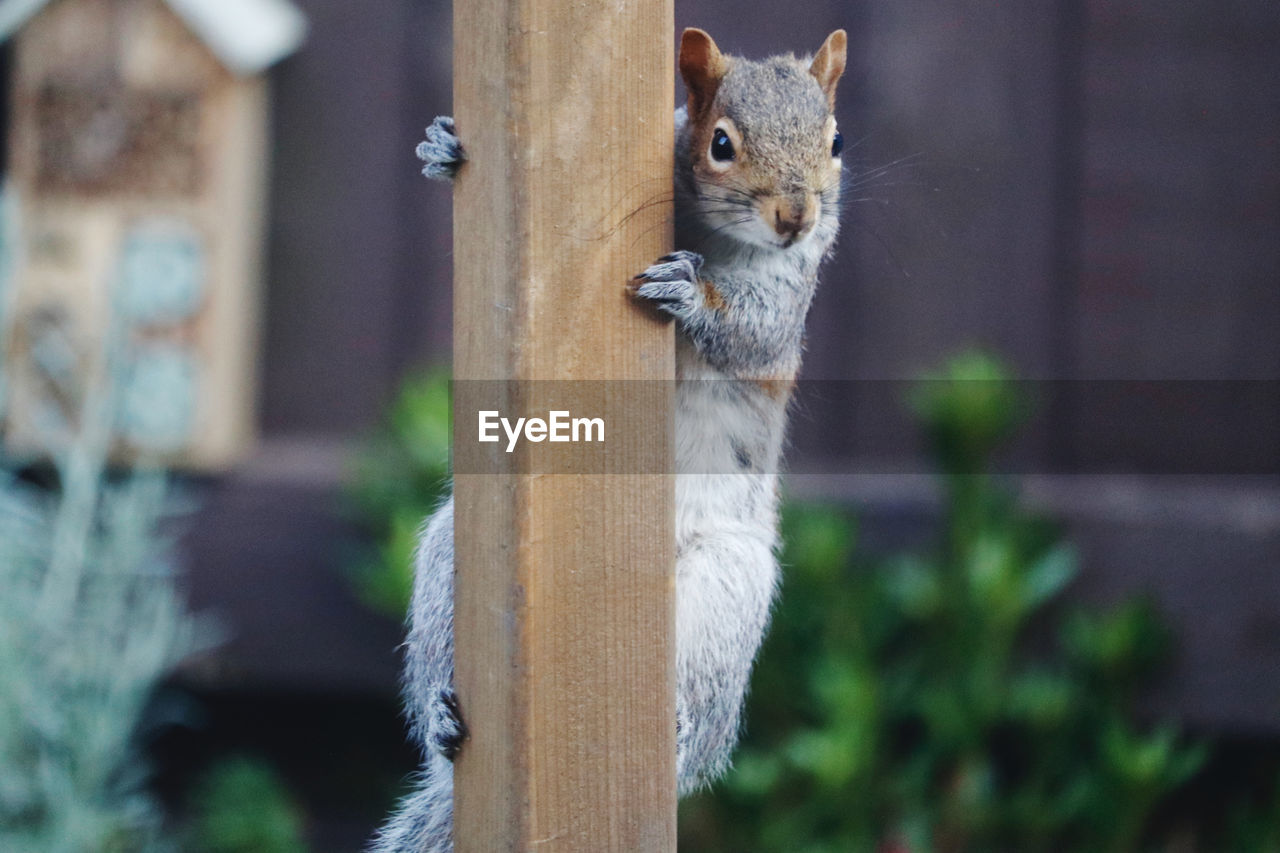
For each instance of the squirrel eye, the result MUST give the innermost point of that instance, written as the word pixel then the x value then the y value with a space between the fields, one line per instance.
pixel 721 146
pixel 837 145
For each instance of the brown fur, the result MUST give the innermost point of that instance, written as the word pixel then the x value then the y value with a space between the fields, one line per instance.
pixel 702 66
pixel 712 296
pixel 777 387
pixel 828 65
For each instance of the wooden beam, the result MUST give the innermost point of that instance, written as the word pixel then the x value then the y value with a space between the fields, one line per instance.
pixel 564 596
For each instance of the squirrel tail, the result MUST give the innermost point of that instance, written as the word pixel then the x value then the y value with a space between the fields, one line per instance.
pixel 424 821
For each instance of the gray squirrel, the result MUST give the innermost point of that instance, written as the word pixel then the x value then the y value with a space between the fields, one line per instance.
pixel 757 191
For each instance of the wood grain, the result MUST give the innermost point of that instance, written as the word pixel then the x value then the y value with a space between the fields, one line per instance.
pixel 564 599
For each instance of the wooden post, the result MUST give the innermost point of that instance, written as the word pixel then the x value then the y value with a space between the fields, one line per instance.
pixel 565 590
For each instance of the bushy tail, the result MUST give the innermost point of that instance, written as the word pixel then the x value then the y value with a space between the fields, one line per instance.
pixel 424 821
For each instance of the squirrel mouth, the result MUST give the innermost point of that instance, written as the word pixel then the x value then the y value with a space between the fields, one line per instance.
pixel 786 237
pixel 792 239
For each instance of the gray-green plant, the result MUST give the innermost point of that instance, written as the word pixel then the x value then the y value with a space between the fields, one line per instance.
pixel 948 700
pixel 90 622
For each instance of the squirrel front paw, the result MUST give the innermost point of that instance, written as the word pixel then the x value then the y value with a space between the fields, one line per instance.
pixel 671 284
pixel 447 731
pixel 442 150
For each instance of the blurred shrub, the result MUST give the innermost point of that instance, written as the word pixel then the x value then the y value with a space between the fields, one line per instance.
pixel 946 701
pixel 242 806
pixel 397 478
pixel 90 622
pixel 1253 824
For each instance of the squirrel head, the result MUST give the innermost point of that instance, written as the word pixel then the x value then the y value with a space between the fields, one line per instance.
pixel 763 150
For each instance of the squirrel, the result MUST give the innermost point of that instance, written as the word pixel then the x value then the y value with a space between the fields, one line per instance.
pixel 757 191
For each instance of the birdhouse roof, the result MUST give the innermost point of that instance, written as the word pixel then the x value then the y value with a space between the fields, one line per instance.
pixel 246 35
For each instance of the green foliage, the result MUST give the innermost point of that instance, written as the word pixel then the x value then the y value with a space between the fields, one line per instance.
pixel 90 622
pixel 398 477
pixel 967 410
pixel 1254 825
pixel 945 701
pixel 242 806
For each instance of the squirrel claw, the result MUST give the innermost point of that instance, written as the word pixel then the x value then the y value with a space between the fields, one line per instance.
pixel 671 283
pixel 442 151
pixel 448 731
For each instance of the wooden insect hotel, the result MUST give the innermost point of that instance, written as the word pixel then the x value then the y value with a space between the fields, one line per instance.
pixel 134 213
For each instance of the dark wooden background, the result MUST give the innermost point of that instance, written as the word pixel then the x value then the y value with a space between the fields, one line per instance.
pixel 1089 188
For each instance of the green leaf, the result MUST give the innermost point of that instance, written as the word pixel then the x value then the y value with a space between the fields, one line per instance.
pixel 913 585
pixel 818 540
pixel 1042 699
pixel 1049 576
pixel 242 806
pixel 395 480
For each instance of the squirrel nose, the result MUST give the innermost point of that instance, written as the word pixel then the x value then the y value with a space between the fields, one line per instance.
pixel 792 217
pixel 788 224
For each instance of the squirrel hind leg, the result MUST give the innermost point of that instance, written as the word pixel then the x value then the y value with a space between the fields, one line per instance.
pixel 447 730
pixel 442 150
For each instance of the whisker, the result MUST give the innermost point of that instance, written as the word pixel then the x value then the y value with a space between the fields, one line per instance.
pixel 731 224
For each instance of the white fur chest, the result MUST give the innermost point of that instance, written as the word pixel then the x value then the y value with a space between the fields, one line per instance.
pixel 728 441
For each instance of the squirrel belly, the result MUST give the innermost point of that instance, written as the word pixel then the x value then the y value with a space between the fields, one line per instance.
pixel 756 212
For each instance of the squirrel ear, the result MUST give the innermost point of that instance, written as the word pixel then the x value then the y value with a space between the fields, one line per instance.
pixel 828 65
pixel 702 66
